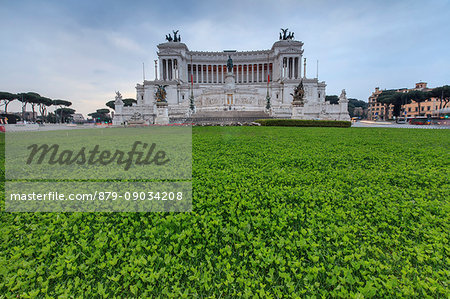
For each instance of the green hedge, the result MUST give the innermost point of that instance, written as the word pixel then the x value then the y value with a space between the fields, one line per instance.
pixel 304 123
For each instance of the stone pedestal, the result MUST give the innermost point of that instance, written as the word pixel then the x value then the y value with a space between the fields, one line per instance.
pixel 117 120
pixel 162 113
pixel 230 83
pixel 298 112
pixel 343 106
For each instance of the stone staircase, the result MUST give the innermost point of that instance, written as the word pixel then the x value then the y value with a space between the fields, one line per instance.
pixel 226 117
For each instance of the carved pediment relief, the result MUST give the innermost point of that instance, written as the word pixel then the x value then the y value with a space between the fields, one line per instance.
pixel 291 50
pixel 168 52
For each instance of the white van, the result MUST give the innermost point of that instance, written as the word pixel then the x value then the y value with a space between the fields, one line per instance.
pixel 401 120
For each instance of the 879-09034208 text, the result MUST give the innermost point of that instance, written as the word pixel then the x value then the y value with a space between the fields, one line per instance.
pixel 97 195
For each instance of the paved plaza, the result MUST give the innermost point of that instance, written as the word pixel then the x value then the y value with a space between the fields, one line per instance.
pixel 387 124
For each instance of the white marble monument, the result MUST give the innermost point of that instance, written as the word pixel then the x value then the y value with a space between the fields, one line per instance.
pixel 231 81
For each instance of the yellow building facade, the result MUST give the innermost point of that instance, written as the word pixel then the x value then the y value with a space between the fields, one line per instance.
pixel 428 108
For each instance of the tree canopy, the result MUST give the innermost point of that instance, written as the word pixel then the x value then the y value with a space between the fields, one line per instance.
pixel 62 103
pixel 101 115
pixel 6 98
pixel 43 104
pixel 103 111
pixel 395 98
pixel 64 113
pixel 333 99
pixel 28 97
pixel 417 96
pixel 353 103
pixel 442 93
pixel 36 100
pixel 126 103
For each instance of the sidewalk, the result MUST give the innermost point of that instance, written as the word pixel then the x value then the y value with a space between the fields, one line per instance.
pixel 45 127
pixel 376 122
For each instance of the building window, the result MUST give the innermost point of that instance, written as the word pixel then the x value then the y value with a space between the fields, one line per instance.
pixel 182 97
pixel 428 108
pixel 415 109
pixel 409 109
pixel 421 108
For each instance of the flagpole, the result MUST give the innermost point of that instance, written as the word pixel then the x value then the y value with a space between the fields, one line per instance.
pixel 317 71
pixel 268 82
pixel 191 98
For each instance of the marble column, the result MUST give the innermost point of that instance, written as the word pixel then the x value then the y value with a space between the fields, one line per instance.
pixel 304 67
pixel 196 73
pixel 201 73
pixel 167 70
pixel 174 70
pixel 257 72
pixel 246 73
pixel 266 71
pixel 261 72
pixel 281 69
pixel 217 73
pixel 238 74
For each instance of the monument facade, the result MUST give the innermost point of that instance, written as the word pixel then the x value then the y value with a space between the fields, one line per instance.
pixel 199 83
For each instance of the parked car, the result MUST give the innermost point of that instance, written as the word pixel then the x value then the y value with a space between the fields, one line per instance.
pixel 401 120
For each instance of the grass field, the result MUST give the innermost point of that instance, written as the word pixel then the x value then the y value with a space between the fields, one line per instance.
pixel 277 212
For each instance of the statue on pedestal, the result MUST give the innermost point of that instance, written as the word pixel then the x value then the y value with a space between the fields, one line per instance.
pixel 160 94
pixel 118 100
pixel 229 77
pixel 343 97
pixel 285 35
pixel 230 64
pixel 299 94
pixel 176 38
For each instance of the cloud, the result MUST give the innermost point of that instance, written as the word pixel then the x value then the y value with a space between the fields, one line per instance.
pixel 124 44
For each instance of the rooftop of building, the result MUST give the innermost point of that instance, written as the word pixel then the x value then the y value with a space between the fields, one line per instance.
pixel 277 44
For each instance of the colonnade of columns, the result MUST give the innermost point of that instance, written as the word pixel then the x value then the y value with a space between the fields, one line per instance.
pixel 169 69
pixel 291 67
pixel 215 73
pixel 244 73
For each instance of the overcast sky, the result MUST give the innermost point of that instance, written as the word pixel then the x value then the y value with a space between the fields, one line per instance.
pixel 83 51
